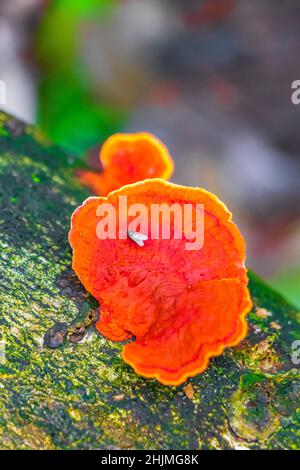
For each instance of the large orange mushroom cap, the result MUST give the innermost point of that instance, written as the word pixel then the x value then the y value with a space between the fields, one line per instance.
pixel 180 306
pixel 126 159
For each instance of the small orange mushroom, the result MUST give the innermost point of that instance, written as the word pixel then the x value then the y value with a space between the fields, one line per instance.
pixel 128 158
pixel 180 307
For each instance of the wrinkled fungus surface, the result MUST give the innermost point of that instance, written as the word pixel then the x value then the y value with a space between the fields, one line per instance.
pixel 126 159
pixel 179 306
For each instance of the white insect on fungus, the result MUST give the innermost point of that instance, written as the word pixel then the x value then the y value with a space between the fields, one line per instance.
pixel 137 237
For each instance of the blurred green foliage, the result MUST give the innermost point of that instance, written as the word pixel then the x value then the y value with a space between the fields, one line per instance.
pixel 70 112
pixel 288 284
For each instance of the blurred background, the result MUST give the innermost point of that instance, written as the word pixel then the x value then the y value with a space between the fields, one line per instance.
pixel 211 78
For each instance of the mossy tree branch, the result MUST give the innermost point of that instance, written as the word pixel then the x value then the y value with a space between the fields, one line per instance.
pixel 83 395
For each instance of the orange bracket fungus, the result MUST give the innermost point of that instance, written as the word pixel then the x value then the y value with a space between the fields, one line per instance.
pixel 126 159
pixel 179 306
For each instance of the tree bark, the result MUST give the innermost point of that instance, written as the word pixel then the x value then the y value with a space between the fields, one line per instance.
pixel 83 396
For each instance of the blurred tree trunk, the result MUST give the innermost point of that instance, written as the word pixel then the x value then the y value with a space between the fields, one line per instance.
pixel 83 395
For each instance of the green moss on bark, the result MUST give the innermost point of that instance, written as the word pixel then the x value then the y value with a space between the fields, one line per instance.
pixel 84 396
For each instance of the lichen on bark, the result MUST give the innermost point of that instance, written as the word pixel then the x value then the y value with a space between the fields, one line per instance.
pixel 83 396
